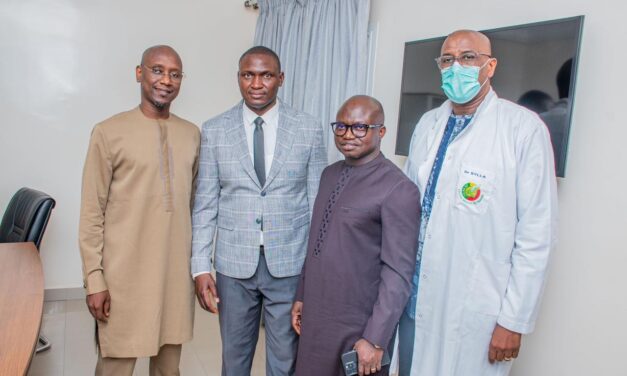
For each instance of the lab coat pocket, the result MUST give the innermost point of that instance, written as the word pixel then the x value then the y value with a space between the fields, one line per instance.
pixel 473 190
pixel 488 286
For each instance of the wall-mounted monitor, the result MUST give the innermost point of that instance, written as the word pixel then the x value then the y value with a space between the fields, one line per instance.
pixel 537 68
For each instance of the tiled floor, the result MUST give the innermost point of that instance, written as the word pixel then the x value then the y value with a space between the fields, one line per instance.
pixel 70 328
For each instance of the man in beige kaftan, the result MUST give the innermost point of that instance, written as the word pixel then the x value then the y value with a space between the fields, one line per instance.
pixel 135 225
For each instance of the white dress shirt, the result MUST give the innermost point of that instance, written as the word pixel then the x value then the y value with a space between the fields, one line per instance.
pixel 270 127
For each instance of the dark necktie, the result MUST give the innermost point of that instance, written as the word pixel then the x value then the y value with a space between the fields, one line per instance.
pixel 259 154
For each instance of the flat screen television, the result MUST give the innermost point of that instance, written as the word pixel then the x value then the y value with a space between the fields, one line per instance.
pixel 533 59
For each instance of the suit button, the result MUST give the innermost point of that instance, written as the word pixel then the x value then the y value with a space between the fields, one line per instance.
pixel 263 193
pixel 258 220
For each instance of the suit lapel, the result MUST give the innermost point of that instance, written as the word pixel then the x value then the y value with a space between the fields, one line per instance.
pixel 284 140
pixel 237 133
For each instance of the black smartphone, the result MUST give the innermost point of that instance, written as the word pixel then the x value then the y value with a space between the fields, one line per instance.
pixel 351 364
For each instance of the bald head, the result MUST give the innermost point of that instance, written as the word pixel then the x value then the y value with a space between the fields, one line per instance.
pixel 360 145
pixel 160 49
pixel 159 74
pixel 368 109
pixel 467 40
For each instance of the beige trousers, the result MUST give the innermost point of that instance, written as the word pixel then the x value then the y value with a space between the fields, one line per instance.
pixel 165 363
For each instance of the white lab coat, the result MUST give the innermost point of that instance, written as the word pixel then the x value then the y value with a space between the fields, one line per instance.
pixel 485 256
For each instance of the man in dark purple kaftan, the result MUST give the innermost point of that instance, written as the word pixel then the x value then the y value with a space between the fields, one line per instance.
pixel 361 253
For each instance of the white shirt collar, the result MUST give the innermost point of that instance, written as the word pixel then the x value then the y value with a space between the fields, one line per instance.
pixel 270 117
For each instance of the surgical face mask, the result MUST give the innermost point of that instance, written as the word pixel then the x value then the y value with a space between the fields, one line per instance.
pixel 461 83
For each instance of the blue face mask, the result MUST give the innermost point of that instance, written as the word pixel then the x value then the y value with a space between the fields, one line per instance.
pixel 461 83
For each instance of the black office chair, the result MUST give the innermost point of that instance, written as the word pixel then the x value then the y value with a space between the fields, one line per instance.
pixel 25 220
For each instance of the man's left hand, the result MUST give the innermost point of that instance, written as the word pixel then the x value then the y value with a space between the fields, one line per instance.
pixel 369 357
pixel 504 345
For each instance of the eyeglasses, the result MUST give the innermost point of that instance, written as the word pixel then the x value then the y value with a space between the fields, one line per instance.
pixel 358 130
pixel 469 58
pixel 175 76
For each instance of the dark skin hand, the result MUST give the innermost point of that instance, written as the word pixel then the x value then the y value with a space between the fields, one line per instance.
pixel 368 357
pixel 99 305
pixel 504 345
pixel 297 314
pixel 207 293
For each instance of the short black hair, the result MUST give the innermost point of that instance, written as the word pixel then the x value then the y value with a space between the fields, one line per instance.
pixel 563 79
pixel 261 50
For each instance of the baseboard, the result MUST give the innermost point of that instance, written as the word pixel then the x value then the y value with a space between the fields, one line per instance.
pixel 64 294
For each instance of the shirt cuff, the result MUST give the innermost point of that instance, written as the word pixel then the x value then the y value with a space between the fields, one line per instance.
pixel 200 264
pixel 95 282
pixel 199 273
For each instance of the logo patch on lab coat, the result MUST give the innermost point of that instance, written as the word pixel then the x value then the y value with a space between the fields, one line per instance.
pixel 471 193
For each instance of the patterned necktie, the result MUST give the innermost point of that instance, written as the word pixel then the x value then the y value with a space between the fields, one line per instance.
pixel 259 154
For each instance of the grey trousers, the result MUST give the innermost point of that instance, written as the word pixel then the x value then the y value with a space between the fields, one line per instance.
pixel 241 302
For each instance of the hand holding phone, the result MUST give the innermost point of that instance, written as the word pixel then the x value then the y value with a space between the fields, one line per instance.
pixel 351 364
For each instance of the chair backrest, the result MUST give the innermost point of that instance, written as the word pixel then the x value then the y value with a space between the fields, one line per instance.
pixel 26 217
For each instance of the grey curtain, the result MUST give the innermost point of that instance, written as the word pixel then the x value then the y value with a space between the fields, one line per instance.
pixel 323 49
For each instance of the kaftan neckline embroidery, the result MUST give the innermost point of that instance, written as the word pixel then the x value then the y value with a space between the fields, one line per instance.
pixel 339 187
pixel 166 166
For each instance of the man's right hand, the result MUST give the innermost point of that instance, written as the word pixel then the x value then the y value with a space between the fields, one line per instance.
pixel 207 293
pixel 99 305
pixel 297 314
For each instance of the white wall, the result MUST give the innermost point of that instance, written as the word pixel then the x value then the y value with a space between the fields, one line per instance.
pixel 67 64
pixel 582 324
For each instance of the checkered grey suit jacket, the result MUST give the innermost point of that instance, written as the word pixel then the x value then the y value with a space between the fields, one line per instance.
pixel 231 206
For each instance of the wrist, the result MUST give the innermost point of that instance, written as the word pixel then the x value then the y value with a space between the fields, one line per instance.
pixel 372 343
pixel 369 343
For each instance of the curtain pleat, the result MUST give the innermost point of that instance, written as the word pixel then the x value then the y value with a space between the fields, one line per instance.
pixel 323 49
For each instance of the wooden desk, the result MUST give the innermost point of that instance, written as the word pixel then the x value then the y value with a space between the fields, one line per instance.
pixel 21 305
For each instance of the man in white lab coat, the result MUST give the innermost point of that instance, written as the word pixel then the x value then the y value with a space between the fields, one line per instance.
pixel 485 170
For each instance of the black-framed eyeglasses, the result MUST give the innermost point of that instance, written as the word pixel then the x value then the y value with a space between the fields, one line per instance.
pixel 358 130
pixel 468 58
pixel 175 76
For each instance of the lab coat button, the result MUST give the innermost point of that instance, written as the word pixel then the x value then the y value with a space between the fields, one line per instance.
pixel 258 220
pixel 263 193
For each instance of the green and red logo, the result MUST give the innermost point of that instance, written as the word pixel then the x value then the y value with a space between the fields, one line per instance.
pixel 471 192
